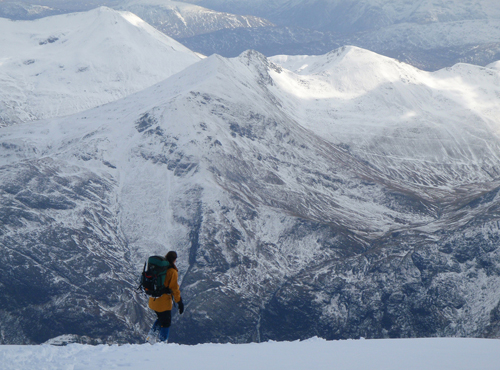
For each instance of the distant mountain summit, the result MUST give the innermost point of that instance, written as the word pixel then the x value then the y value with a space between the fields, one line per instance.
pixel 180 20
pixel 64 64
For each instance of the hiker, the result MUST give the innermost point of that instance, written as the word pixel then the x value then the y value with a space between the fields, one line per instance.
pixel 163 305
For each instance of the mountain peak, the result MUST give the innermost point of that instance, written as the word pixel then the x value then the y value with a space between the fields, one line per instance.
pixel 339 58
pixel 87 59
pixel 495 65
pixel 181 20
pixel 252 55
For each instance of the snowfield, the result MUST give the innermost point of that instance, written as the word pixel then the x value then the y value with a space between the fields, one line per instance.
pixel 315 353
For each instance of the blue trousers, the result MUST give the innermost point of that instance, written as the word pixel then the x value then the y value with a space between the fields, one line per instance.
pixel 162 324
pixel 164 332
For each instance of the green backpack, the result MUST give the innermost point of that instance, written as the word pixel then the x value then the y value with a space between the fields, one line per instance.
pixel 153 276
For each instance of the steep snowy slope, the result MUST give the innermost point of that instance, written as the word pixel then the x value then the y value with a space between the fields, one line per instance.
pixel 409 110
pixel 64 64
pixel 181 20
pixel 356 196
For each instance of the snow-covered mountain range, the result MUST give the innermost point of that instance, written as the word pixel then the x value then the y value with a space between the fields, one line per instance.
pixel 345 195
pixel 181 20
pixel 69 63
pixel 347 16
pixel 427 34
pixel 174 18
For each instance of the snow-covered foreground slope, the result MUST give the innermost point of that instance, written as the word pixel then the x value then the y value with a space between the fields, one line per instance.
pixel 407 354
pixel 346 196
pixel 69 63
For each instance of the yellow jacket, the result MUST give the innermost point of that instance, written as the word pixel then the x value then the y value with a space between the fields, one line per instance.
pixel 164 303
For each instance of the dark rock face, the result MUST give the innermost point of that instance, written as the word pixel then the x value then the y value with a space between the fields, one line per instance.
pixel 65 268
pixel 405 286
pixel 70 271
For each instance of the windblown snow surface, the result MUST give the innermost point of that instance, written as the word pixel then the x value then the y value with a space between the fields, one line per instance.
pixel 315 353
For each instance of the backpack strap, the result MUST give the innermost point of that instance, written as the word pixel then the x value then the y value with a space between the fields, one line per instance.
pixel 139 288
pixel 165 290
